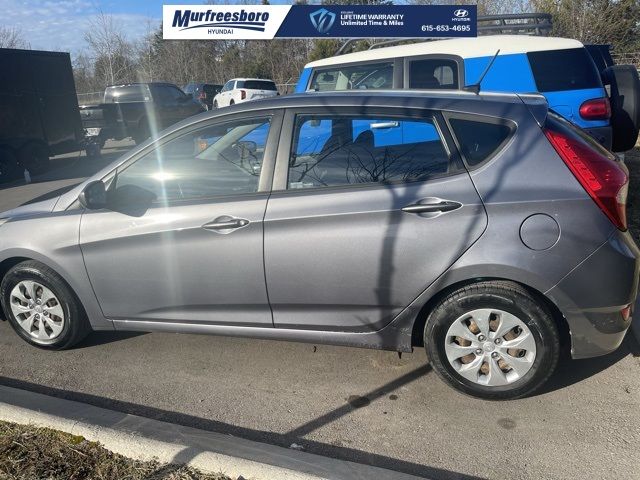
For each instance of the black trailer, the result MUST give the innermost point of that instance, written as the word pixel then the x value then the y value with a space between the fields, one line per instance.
pixel 39 114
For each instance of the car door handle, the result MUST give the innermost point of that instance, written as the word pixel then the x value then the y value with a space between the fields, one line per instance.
pixel 226 223
pixel 443 206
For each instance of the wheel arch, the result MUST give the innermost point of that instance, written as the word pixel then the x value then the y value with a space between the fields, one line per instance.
pixel 417 331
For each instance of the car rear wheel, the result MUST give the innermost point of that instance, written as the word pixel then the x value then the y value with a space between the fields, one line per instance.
pixel 492 340
pixel 41 307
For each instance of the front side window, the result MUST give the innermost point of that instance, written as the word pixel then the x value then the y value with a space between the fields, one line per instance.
pixel 355 77
pixel 433 73
pixel 222 159
pixel 349 150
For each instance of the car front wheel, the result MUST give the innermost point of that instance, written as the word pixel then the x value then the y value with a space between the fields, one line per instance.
pixel 41 307
pixel 492 340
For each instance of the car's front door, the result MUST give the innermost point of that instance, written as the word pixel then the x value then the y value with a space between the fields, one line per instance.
pixel 369 208
pixel 182 238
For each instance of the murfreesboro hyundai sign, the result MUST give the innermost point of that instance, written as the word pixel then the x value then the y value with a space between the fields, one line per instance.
pixel 265 22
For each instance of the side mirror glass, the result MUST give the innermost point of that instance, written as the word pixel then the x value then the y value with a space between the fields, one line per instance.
pixel 93 196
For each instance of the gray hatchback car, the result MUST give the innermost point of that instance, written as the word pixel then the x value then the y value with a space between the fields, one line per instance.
pixel 483 227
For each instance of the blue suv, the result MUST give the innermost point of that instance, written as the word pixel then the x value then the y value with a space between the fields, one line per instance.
pixel 604 101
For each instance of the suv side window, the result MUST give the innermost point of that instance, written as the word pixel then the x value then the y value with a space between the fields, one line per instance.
pixel 228 86
pixel 354 77
pixel 559 70
pixel 347 150
pixel 430 73
pixel 479 138
pixel 221 159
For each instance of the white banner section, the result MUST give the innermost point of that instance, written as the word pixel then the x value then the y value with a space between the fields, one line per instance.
pixel 222 22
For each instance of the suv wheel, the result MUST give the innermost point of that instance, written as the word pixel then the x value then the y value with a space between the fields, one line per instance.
pixel 41 307
pixel 492 340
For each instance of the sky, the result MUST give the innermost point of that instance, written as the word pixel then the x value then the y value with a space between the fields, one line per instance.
pixel 60 25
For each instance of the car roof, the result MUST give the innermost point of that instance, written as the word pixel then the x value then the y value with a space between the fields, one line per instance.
pixel 464 47
pixel 454 100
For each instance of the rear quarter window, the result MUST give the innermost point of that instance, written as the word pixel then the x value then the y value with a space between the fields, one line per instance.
pixel 129 93
pixel 559 70
pixel 480 139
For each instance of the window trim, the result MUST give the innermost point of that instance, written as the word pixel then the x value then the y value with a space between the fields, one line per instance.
pixel 476 117
pixel 266 172
pixel 287 138
pixel 434 56
pixel 396 65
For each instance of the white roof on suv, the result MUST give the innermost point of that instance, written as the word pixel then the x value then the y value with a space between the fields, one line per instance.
pixel 245 79
pixel 464 47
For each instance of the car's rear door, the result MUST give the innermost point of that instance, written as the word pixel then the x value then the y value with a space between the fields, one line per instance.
pixel 369 207
pixel 182 238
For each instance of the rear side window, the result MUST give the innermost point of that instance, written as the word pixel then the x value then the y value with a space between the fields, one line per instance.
pixel 558 70
pixel 129 93
pixel 256 85
pixel 433 73
pixel 479 139
pixel 368 76
pixel 349 150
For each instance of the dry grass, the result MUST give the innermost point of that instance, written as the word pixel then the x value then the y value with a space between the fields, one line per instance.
pixel 30 453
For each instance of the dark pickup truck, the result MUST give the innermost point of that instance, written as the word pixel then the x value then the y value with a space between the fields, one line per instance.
pixel 136 110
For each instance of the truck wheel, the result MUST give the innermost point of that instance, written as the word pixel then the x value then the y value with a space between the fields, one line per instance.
pixel 9 169
pixel 625 105
pixel 34 157
pixel 93 149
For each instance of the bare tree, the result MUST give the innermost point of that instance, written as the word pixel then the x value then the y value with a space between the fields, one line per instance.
pixel 11 37
pixel 112 51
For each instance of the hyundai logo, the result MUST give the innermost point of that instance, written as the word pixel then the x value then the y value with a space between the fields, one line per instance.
pixel 322 20
pixel 461 13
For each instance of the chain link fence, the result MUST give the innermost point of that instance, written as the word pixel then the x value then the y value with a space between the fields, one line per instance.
pixel 632 58
pixel 92 98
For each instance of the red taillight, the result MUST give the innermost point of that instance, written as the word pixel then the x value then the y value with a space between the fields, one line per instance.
pixel 596 109
pixel 626 312
pixel 603 179
pixel 243 94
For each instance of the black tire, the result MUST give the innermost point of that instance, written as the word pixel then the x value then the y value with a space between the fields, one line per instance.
pixel 509 297
pixel 9 169
pixel 231 103
pixel 76 325
pixel 35 158
pixel 93 149
pixel 215 104
pixel 625 105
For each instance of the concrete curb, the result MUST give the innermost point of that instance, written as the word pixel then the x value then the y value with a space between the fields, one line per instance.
pixel 146 439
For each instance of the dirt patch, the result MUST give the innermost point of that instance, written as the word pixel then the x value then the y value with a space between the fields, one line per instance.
pixel 36 453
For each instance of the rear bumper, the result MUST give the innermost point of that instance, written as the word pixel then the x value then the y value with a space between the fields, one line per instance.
pixel 593 294
pixel 603 135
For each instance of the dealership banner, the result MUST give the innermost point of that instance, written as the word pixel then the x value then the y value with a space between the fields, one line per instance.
pixel 265 22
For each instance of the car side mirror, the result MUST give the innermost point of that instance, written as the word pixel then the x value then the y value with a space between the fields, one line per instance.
pixel 93 196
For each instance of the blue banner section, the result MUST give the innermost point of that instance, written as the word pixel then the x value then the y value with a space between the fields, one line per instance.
pixel 381 21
